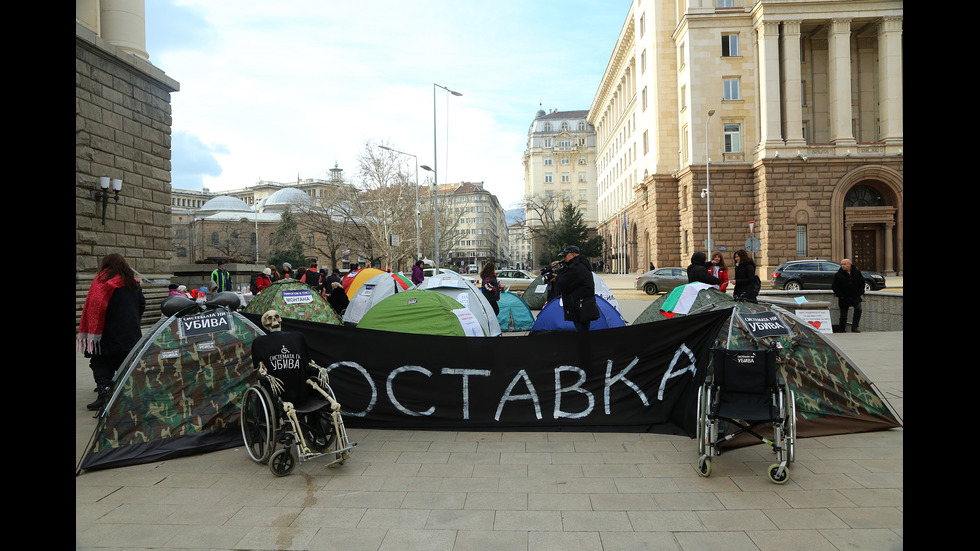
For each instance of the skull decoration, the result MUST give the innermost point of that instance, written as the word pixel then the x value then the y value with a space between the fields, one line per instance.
pixel 272 321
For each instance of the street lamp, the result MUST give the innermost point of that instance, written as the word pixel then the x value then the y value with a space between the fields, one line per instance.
pixel 418 222
pixel 435 165
pixel 707 190
pixel 435 208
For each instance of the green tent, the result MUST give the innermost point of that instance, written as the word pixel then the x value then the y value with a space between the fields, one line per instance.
pixel 532 297
pixel 833 396
pixel 420 312
pixel 293 299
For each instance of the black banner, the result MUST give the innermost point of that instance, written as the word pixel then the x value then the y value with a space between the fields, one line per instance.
pixel 641 378
pixel 763 324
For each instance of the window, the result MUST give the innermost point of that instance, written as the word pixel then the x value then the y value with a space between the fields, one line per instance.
pixel 643 61
pixel 726 3
pixel 547 178
pixel 547 142
pixel 582 195
pixel 683 97
pixel 733 88
pixel 564 126
pixel 644 98
pixel 565 161
pixel 733 141
pixel 547 127
pixel 801 241
pixel 548 161
pixel 581 160
pixel 646 143
pixel 729 45
pixel 566 195
pixel 581 126
pixel 565 143
pixel 566 177
pixel 581 176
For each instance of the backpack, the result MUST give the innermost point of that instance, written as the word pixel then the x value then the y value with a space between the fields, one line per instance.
pixel 311 278
pixel 251 284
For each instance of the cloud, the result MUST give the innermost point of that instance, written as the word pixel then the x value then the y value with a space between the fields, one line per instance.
pixel 193 160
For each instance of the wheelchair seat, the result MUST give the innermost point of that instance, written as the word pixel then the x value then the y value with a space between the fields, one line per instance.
pixel 743 394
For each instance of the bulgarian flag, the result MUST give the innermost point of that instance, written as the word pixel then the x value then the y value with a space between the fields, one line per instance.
pixel 401 280
pixel 680 300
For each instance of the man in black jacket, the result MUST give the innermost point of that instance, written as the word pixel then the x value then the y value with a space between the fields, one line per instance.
pixel 575 284
pixel 848 288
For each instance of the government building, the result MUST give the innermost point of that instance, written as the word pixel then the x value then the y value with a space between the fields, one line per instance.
pixel 770 125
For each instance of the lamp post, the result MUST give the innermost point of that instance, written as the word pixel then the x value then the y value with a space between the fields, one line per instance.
pixel 435 209
pixel 435 164
pixel 418 222
pixel 708 179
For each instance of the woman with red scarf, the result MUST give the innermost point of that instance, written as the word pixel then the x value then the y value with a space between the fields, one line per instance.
pixel 110 324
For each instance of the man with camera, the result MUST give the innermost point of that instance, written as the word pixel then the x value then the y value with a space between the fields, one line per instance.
pixel 573 280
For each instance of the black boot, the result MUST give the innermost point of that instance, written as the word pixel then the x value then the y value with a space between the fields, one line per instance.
pixel 101 399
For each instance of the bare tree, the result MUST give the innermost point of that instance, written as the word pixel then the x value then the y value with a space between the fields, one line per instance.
pixel 326 219
pixel 541 214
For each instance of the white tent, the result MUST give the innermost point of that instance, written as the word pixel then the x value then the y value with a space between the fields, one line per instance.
pixel 466 293
pixel 370 293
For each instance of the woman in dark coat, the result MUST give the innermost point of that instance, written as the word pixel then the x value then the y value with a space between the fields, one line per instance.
pixel 110 323
pixel 490 286
pixel 745 288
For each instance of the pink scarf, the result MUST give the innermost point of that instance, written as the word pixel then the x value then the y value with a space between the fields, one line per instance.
pixel 94 311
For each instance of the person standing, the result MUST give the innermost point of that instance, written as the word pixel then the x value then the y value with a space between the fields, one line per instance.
pixel 222 278
pixel 287 270
pixel 491 287
pixel 110 323
pixel 418 275
pixel 848 287
pixel 262 280
pixel 311 276
pixel 697 270
pixel 577 288
pixel 718 269
pixel 745 278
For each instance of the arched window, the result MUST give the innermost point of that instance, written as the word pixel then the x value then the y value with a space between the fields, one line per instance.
pixel 564 126
pixel 547 127
pixel 863 196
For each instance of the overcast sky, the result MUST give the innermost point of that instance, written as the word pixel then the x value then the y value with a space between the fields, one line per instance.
pixel 280 90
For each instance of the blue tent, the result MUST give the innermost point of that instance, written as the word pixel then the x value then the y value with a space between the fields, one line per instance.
pixel 515 315
pixel 552 317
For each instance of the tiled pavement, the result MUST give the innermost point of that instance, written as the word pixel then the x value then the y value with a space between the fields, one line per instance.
pixel 461 491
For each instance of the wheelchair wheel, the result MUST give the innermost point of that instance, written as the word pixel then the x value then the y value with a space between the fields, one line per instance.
pixel 702 418
pixel 704 466
pixel 790 425
pixel 319 431
pixel 282 462
pixel 775 476
pixel 259 423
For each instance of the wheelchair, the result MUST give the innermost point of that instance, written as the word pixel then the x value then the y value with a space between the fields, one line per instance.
pixel 282 433
pixel 743 395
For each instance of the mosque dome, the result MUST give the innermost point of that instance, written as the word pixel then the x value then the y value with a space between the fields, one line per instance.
pixel 224 203
pixel 286 197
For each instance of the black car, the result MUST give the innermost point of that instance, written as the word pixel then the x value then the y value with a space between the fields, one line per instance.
pixel 817 274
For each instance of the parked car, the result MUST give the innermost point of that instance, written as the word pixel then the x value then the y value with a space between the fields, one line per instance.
pixel 661 280
pixel 817 274
pixel 514 280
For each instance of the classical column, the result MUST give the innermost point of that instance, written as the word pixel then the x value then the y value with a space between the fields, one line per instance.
pixel 890 79
pixel 793 84
pixel 839 65
pixel 768 36
pixel 124 25
pixel 889 256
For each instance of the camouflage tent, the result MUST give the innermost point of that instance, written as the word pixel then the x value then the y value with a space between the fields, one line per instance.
pixel 293 299
pixel 833 396
pixel 178 391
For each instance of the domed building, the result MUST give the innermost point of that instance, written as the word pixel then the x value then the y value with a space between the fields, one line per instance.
pixel 237 225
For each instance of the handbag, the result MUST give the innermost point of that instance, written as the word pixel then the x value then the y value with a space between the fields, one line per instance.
pixel 588 309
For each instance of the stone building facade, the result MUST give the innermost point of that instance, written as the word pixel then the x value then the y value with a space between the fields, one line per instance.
pixel 783 116
pixel 122 131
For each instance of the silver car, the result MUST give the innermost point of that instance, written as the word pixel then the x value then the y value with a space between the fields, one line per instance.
pixel 661 280
pixel 514 280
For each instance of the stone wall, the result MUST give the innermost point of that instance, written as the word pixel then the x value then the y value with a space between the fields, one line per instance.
pixel 122 130
pixel 882 310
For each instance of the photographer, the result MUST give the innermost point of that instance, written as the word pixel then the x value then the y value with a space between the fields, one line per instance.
pixel 577 288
